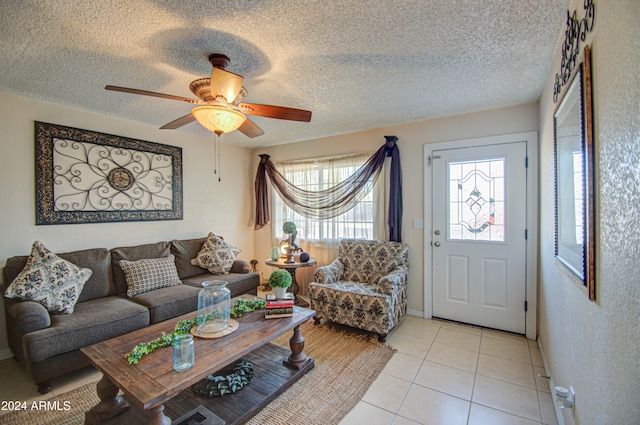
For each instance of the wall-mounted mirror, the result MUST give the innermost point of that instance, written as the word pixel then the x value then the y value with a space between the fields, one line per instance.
pixel 573 133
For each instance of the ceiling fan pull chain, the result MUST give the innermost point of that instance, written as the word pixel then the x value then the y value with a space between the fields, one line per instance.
pixel 215 153
pixel 219 163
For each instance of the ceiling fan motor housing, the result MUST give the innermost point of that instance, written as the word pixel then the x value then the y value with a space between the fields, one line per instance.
pixel 218 60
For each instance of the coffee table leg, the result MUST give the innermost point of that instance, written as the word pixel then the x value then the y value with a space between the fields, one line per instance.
pixel 297 359
pixel 110 404
pixel 158 417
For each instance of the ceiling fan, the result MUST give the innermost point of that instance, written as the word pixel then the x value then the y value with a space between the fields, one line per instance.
pixel 221 109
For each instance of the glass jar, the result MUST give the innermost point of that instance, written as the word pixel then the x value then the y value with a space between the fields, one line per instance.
pixel 214 303
pixel 183 352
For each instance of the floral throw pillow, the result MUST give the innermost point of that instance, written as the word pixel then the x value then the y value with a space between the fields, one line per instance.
pixel 149 274
pixel 49 280
pixel 216 255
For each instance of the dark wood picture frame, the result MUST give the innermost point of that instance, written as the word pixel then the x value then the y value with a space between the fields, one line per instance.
pixel 84 176
pixel 574 177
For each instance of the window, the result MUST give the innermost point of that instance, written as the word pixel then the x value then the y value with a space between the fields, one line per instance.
pixel 476 200
pixel 320 174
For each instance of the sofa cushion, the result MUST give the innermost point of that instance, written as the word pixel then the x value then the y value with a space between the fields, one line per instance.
pixel 216 255
pixel 169 302
pixel 237 284
pixel 185 250
pixel 92 321
pixel 150 273
pixel 49 280
pixel 99 285
pixel 132 253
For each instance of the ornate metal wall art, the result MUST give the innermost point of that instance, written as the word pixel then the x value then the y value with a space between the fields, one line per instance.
pixel 575 33
pixel 88 177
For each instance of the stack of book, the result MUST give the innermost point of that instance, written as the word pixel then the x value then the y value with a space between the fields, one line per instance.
pixel 276 308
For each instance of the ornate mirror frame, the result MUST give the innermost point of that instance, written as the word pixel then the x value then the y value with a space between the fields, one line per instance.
pixel 574 178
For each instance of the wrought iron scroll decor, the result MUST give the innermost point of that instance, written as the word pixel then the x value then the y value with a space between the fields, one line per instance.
pixel 575 33
pixel 88 177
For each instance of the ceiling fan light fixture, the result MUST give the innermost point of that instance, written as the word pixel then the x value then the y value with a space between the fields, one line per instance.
pixel 218 118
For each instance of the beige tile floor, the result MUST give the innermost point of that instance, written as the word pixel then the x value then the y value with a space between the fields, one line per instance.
pixel 445 373
pixel 442 373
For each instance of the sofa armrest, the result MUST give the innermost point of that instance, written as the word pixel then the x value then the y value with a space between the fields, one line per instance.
pixel 330 273
pixel 387 283
pixel 27 316
pixel 240 266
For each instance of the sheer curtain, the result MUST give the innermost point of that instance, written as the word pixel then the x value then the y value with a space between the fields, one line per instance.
pixel 320 238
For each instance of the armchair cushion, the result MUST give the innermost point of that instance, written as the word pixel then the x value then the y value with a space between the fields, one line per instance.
pixel 368 261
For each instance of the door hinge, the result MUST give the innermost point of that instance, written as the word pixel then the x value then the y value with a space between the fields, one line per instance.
pixel 526 233
pixel 526 162
pixel 430 158
pixel 526 306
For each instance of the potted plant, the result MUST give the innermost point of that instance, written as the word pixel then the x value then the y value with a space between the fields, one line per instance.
pixel 280 280
pixel 289 228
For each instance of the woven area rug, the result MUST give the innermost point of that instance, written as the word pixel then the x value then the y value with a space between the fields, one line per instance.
pixel 346 364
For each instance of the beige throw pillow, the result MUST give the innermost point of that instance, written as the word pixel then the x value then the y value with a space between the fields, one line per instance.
pixel 149 274
pixel 216 255
pixel 49 280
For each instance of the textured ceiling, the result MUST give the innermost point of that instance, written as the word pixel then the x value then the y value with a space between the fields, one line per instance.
pixel 357 64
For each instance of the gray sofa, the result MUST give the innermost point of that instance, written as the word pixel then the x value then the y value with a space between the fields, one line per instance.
pixel 49 344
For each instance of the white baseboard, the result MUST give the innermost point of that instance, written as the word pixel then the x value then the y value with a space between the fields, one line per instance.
pixel 5 354
pixel 552 386
pixel 416 313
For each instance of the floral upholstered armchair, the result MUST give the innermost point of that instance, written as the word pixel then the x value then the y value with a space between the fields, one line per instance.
pixel 365 287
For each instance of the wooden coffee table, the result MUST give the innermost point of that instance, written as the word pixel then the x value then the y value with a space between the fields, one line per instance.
pixel 153 386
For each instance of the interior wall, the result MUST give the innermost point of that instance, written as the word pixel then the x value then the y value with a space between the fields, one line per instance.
pixel 594 346
pixel 221 207
pixel 411 140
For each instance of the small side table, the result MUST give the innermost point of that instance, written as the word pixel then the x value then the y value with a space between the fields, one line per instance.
pixel 291 268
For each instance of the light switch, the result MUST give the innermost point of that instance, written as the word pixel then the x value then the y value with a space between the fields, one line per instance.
pixel 418 223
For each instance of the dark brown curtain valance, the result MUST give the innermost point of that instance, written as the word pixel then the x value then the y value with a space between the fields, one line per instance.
pixel 336 200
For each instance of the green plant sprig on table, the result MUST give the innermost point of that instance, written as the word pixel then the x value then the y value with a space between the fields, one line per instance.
pixel 240 307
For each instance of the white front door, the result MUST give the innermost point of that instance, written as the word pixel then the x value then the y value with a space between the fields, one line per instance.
pixel 479 204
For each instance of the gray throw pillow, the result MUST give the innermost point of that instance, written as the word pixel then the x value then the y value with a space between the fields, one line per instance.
pixel 149 274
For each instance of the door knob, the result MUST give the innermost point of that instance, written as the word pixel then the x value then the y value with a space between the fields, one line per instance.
pixel 436 232
pixel 436 243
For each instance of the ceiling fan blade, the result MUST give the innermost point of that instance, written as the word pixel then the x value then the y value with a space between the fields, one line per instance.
pixel 153 94
pixel 179 122
pixel 279 112
pixel 250 129
pixel 225 83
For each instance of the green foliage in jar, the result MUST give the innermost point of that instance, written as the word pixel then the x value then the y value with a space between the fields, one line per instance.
pixel 280 279
pixel 240 307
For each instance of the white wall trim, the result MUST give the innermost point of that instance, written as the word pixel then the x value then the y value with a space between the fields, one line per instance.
pixel 552 385
pixel 6 354
pixel 415 313
pixel 531 139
